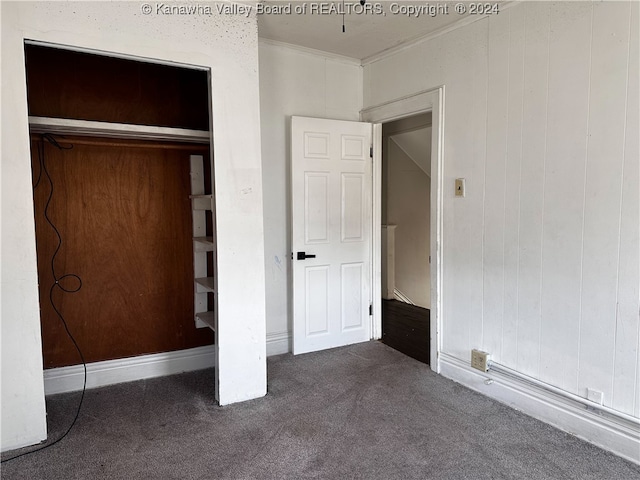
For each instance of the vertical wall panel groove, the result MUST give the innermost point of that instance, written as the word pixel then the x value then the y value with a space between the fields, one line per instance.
pixel 535 97
pixel 567 129
pixel 601 224
pixel 495 172
pixel 512 187
pixel 519 223
pixel 624 136
pixel 626 356
pixel 622 177
pixel 479 128
pixel 500 353
pixel 584 199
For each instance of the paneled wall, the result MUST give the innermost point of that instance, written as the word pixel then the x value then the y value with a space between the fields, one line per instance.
pixel 541 258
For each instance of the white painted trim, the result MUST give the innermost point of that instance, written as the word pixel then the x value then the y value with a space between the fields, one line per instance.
pixel 67 126
pixel 407 106
pixel 278 343
pixel 437 225
pixel 109 372
pixel 583 403
pixel 376 241
pixel 606 431
pixel 421 102
pixel 311 51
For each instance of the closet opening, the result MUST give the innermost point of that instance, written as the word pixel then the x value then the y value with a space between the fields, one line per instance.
pixel 122 166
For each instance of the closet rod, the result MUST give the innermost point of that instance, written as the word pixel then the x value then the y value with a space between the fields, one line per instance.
pixel 66 126
pixel 80 140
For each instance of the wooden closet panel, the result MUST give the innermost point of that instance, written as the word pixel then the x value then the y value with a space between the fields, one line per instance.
pixel 124 216
pixel 67 84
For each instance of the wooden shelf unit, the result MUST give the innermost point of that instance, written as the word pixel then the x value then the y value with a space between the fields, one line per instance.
pixel 202 205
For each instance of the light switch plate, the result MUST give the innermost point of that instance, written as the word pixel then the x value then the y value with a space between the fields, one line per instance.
pixel 460 187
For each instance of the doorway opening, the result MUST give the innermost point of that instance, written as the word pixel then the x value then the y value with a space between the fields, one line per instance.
pixel 428 101
pixel 406 277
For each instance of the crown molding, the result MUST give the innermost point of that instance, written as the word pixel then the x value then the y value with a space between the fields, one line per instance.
pixel 463 22
pixel 310 51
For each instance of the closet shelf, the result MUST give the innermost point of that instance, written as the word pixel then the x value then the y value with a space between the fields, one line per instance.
pixel 202 202
pixel 207 283
pixel 203 244
pixel 207 318
pixel 68 126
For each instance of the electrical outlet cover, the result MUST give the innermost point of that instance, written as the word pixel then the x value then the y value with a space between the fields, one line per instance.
pixel 595 396
pixel 480 360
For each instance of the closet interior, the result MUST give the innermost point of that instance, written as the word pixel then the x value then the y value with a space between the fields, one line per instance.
pixel 124 205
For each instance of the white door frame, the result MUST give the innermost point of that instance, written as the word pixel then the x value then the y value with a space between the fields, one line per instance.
pixel 425 101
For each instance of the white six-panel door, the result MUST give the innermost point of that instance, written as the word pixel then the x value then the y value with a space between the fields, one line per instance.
pixel 331 174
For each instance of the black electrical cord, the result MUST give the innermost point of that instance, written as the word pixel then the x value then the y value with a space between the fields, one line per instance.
pixel 40 155
pixel 56 281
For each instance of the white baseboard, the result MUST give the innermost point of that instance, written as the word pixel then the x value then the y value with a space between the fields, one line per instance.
pixel 619 437
pixel 100 374
pixel 110 372
pixel 278 343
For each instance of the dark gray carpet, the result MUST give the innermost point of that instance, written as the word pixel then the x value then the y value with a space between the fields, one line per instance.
pixel 359 412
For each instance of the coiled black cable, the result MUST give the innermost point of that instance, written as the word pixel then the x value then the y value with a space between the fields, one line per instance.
pixel 56 280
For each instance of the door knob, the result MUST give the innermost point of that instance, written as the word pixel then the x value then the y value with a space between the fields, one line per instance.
pixel 303 255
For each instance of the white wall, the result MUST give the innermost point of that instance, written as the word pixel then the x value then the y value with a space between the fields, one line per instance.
pixel 541 259
pixel 228 45
pixel 293 81
pixel 408 207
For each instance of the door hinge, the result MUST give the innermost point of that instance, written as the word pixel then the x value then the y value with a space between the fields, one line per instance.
pixel 370 309
pixel 371 151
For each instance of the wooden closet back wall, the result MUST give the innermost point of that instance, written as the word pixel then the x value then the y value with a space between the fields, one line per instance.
pixel 124 215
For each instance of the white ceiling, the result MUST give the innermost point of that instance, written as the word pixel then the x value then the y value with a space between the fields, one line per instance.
pixel 365 35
